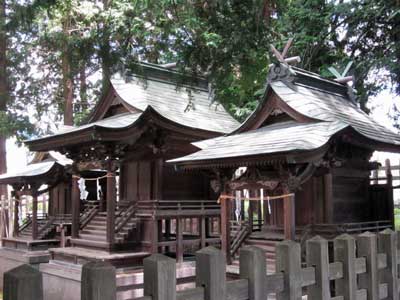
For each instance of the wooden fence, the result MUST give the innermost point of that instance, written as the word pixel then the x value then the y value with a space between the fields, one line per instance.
pixel 364 267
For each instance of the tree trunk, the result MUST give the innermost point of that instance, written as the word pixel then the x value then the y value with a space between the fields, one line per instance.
pixel 3 89
pixel 105 50
pixel 68 84
pixel 83 89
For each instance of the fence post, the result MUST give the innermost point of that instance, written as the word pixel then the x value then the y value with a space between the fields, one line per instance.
pixel 345 252
pixel 253 268
pixel 367 247
pixel 98 281
pixel 288 261
pixel 160 277
pixel 23 283
pixel 387 244
pixel 210 273
pixel 318 257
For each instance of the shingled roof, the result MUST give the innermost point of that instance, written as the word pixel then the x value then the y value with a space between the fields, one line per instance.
pixel 155 92
pixel 320 108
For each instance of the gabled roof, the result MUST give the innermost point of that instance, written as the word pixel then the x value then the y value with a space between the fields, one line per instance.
pixel 277 138
pixel 187 106
pixel 155 92
pixel 38 172
pixel 320 109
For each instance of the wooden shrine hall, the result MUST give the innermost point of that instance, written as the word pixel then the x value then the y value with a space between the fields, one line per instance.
pixel 143 120
pixel 47 173
pixel 307 149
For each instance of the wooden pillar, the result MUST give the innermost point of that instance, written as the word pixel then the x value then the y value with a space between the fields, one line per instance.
pixel 167 233
pixel 35 229
pixel 16 213
pixel 202 231
pixel 251 211
pixel 328 193
pixel 389 186
pixel 76 206
pixel 111 198
pixel 156 237
pixel 226 228
pixel 289 216
pixel 259 210
pixel 179 239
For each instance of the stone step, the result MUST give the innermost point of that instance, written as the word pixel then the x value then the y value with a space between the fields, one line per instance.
pixel 90 244
pixel 93 232
pixel 98 223
pixel 261 242
pixel 95 227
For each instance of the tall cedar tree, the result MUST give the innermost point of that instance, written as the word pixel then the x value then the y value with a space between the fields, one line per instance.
pixel 4 93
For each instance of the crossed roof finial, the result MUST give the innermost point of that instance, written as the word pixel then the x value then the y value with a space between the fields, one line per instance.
pixel 342 78
pixel 282 56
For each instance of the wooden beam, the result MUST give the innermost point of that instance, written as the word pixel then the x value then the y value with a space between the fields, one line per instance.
pixel 76 206
pixel 287 47
pixel 111 199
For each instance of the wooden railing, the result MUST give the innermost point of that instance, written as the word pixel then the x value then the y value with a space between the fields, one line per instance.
pixel 182 207
pixel 88 214
pixel 124 218
pixel 242 231
pixel 178 204
pixel 386 174
pixel 43 229
pixel 350 228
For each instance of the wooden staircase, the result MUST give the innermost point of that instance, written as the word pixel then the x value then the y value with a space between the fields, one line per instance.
pixel 94 234
pixel 46 229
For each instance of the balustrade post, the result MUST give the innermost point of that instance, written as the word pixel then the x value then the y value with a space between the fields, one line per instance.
pixel 288 261
pixel 253 268
pixel 159 277
pixel 345 252
pixel 367 246
pixel 210 273
pixel 318 257
pixel 387 244
pixel 98 281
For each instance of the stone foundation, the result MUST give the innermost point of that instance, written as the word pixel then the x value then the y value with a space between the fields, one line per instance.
pixel 61 281
pixel 12 258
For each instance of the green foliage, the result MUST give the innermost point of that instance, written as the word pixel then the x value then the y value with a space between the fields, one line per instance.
pixel 227 41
